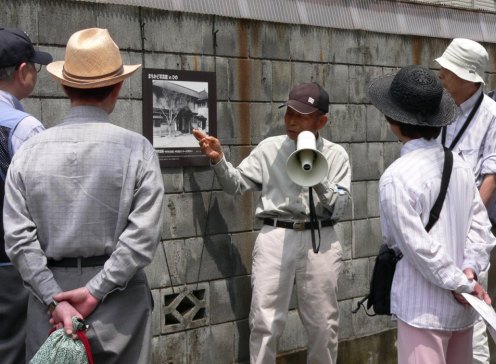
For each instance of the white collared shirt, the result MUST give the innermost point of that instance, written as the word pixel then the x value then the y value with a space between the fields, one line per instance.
pixel 433 263
pixel 477 146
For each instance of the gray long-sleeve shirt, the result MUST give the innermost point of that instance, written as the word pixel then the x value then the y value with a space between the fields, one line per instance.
pixel 265 170
pixel 83 188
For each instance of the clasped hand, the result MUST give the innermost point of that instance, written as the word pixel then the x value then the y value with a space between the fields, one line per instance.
pixel 478 291
pixel 77 302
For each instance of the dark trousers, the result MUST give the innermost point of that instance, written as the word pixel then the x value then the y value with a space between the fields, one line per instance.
pixel 13 310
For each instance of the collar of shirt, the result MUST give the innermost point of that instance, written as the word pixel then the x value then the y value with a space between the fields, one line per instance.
pixel 420 143
pixel 86 114
pixel 468 104
pixel 10 99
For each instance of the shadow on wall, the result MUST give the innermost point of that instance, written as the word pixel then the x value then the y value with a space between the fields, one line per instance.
pixel 227 260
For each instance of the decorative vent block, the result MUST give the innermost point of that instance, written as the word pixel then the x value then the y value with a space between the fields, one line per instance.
pixel 184 308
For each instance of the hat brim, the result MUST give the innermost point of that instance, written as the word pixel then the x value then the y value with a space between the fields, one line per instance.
pixel 299 107
pixel 56 70
pixel 379 96
pixel 40 57
pixel 461 72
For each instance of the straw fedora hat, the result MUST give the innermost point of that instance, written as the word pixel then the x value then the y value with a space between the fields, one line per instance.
pixel 92 60
pixel 413 96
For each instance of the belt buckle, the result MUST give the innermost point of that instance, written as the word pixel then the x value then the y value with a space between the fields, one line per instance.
pixel 299 225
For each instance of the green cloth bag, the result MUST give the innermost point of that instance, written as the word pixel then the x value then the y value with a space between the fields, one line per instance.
pixel 60 348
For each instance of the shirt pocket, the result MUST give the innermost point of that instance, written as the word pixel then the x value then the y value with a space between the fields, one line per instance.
pixel 471 157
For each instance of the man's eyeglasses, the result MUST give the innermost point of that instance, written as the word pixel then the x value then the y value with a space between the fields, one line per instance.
pixel 36 66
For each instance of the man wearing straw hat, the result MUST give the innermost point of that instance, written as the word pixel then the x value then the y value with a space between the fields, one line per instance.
pixel 83 204
pixel 19 65
pixel 434 320
pixel 472 136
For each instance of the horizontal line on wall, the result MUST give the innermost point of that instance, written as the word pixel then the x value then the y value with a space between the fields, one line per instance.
pixel 382 16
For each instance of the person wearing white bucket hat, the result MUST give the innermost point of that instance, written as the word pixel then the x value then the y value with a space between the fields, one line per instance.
pixel 465 58
pixel 472 136
pixel 83 211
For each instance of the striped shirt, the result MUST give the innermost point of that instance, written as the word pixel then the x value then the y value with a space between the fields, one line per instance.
pixel 433 262
pixel 477 145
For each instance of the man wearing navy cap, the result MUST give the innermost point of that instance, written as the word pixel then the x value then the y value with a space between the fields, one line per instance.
pixel 19 67
pixel 286 251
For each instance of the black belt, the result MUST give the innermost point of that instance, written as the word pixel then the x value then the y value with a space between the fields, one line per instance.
pixel 78 262
pixel 295 225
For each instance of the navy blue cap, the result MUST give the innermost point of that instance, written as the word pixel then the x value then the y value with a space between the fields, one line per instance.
pixel 16 47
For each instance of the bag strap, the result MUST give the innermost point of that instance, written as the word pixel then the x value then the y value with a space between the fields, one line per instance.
pixel 314 223
pixel 464 126
pixel 86 343
pixel 438 205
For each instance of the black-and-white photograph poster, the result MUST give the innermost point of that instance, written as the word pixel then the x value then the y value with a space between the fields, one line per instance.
pixel 175 103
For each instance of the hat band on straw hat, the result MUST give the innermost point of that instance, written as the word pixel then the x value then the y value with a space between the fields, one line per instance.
pixel 74 78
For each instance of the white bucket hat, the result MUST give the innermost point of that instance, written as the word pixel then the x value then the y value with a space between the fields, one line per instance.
pixel 466 59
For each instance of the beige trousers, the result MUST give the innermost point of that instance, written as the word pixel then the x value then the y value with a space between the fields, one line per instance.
pixel 480 340
pixel 283 258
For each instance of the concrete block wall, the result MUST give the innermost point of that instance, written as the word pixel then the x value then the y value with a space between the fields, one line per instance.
pixel 200 277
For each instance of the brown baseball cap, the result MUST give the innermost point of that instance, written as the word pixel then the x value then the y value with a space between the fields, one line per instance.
pixel 307 98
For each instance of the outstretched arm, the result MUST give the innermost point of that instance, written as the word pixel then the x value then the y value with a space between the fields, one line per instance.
pixel 209 145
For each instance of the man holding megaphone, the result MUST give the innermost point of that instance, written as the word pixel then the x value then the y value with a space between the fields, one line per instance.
pixel 287 169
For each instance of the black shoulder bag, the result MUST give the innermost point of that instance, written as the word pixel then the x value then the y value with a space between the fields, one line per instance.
pixel 379 296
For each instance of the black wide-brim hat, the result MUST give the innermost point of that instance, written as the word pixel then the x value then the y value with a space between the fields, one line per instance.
pixel 413 96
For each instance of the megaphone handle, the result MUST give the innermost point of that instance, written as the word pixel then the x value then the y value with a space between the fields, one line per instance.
pixel 314 223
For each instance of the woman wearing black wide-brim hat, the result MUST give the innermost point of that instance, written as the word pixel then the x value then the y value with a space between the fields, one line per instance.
pixel 434 319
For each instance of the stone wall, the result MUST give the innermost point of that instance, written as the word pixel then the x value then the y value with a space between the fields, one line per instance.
pixel 200 276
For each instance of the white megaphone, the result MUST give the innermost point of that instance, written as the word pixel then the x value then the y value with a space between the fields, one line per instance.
pixel 306 166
